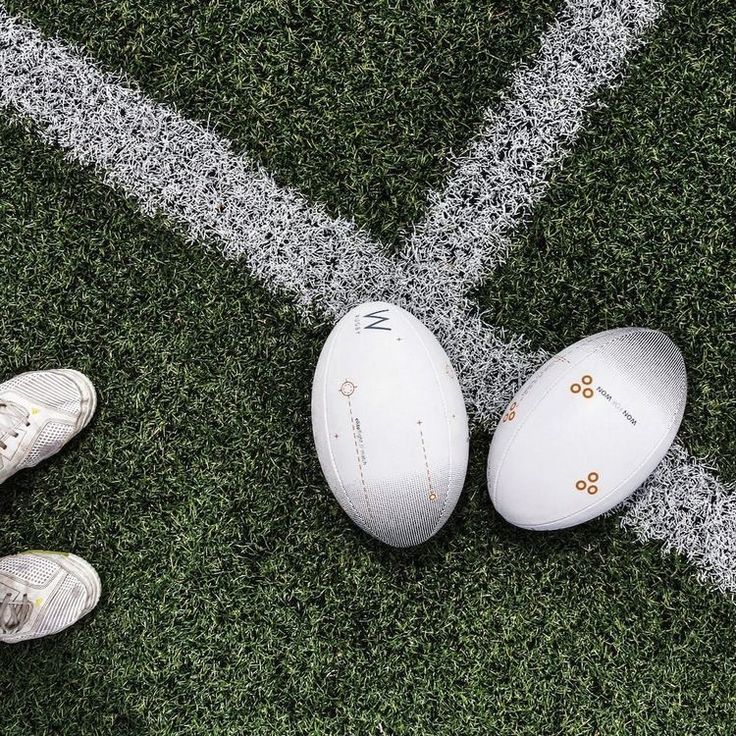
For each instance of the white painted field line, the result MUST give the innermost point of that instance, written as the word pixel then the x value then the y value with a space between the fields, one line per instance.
pixel 495 185
pixel 685 506
pixel 174 166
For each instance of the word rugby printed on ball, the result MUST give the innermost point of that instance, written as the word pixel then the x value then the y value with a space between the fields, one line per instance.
pixel 389 424
pixel 587 429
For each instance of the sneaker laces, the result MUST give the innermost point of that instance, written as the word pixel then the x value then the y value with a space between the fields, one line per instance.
pixel 14 614
pixel 11 417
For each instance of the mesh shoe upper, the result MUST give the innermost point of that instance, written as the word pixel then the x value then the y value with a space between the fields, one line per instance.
pixel 42 593
pixel 39 413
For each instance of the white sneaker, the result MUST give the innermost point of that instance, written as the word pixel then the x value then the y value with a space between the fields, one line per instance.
pixel 42 593
pixel 39 413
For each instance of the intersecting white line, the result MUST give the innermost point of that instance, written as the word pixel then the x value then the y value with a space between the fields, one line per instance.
pixel 177 167
pixel 506 170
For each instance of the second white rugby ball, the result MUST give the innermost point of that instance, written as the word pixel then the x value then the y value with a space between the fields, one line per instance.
pixel 587 429
pixel 389 424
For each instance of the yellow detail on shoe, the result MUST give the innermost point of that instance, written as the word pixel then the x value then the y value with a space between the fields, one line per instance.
pixel 35 410
pixel 38 602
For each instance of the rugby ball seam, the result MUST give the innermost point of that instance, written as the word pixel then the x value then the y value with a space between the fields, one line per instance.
pixel 441 392
pixel 368 524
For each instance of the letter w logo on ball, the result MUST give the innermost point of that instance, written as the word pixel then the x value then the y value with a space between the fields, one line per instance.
pixel 378 320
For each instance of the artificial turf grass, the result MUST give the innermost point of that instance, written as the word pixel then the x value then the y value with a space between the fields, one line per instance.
pixel 638 229
pixel 238 597
pixel 358 105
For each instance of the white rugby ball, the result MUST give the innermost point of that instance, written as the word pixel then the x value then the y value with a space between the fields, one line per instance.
pixel 587 429
pixel 389 424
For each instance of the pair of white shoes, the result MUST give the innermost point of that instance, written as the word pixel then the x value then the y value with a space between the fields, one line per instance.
pixel 42 593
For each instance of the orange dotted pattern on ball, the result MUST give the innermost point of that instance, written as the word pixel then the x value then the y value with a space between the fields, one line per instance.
pixel 583 387
pixel 590 484
pixel 510 415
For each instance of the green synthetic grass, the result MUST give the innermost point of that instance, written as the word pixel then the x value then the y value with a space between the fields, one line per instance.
pixel 238 598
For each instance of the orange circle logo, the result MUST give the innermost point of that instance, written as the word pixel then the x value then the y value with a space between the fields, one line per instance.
pixel 589 484
pixel 510 415
pixel 583 387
